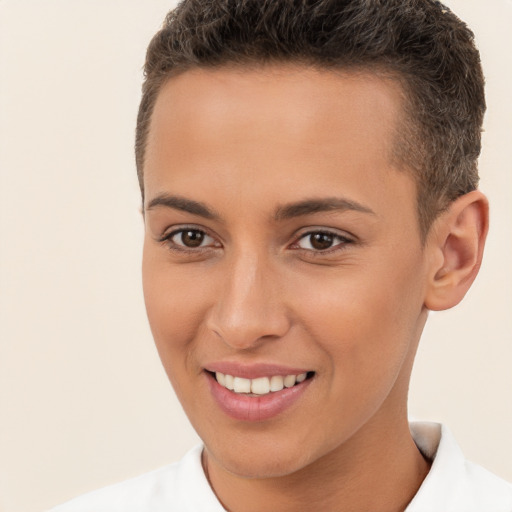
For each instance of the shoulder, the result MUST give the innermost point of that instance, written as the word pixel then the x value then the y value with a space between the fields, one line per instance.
pixel 130 495
pixel 181 486
pixel 455 484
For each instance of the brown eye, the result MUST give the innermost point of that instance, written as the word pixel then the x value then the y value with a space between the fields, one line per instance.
pixel 321 241
pixel 190 238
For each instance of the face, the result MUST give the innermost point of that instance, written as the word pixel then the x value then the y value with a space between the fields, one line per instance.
pixel 282 257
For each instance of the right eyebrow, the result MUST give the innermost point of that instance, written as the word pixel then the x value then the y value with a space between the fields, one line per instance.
pixel 184 205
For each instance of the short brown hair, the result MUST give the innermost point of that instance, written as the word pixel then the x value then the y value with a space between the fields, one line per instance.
pixel 419 42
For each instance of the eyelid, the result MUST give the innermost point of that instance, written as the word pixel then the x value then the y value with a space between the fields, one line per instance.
pixel 177 228
pixel 346 239
pixel 169 233
pixel 310 230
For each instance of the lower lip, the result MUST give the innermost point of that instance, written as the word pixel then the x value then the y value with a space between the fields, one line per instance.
pixel 255 408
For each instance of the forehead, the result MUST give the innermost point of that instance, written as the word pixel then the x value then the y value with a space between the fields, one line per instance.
pixel 276 127
pixel 298 99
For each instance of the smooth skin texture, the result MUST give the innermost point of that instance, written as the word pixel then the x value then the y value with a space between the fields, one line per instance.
pixel 342 290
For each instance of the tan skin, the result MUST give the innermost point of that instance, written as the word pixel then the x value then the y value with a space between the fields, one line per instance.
pixel 248 285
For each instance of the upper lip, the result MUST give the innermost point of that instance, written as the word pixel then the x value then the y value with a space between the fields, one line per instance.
pixel 254 370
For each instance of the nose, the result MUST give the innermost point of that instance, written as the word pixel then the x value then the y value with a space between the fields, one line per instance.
pixel 250 305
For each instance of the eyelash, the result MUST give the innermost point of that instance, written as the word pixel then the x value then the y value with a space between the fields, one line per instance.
pixel 166 239
pixel 343 241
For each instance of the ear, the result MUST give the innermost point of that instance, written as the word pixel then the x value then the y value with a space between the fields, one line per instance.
pixel 456 245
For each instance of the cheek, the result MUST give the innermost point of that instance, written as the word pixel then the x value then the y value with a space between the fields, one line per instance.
pixel 366 337
pixel 175 311
pixel 365 320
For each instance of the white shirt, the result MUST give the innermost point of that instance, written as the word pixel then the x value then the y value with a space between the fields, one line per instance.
pixel 452 485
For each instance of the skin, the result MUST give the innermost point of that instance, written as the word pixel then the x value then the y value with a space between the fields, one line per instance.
pixel 245 144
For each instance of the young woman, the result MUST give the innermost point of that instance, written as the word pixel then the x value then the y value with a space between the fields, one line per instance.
pixel 309 186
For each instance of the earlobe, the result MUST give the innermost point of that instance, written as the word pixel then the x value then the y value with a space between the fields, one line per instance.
pixel 456 243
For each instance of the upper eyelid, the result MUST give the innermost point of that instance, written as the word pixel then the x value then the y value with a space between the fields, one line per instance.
pixel 329 231
pixel 346 240
pixel 165 239
pixel 170 232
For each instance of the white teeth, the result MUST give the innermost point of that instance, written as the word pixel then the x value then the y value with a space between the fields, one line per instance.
pixel 289 381
pixel 241 385
pixel 276 383
pixel 259 386
pixel 229 382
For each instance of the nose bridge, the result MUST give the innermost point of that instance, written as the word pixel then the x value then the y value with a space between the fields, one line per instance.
pixel 249 306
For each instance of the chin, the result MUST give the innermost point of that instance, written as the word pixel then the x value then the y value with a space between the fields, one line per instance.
pixel 260 460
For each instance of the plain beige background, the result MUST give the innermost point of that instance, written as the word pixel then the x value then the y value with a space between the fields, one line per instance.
pixel 83 400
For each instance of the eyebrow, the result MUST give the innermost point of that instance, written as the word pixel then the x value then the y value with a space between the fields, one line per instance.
pixel 310 206
pixel 284 212
pixel 183 204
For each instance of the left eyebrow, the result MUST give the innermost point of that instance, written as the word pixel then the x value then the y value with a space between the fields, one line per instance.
pixel 310 206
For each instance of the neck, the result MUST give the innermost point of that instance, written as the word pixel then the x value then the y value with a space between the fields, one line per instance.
pixel 360 475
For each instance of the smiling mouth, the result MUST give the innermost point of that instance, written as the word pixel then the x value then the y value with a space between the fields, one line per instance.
pixel 261 385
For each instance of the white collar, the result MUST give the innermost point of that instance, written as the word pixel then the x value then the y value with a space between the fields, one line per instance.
pixel 453 483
